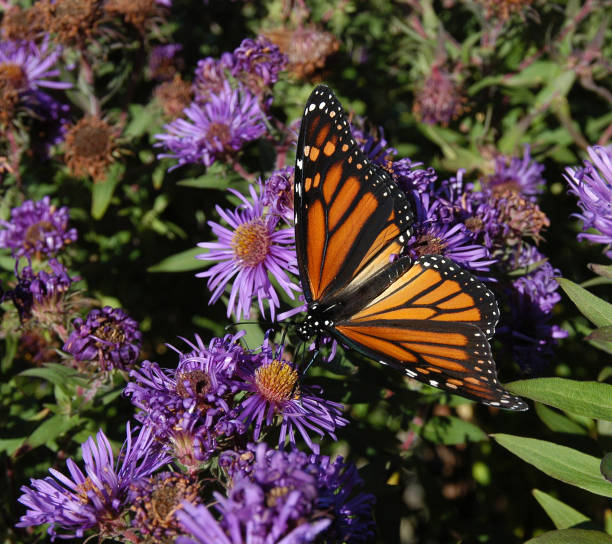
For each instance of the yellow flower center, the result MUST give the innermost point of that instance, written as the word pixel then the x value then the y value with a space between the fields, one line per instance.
pixel 276 381
pixel 251 243
pixel 12 76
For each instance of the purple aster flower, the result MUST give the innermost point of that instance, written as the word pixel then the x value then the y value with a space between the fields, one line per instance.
pixel 155 501
pixel 593 187
pixel 211 75
pixel 252 251
pixel 278 193
pixel 164 61
pixel 329 487
pixel 42 296
pixel 49 122
pixel 411 178
pixel 107 337
pixel 257 63
pixel 432 236
pixel 37 228
pixel 96 498
pixel 190 407
pixel 214 131
pixel 539 284
pixel 375 147
pixel 25 68
pixel 275 396
pixel 523 176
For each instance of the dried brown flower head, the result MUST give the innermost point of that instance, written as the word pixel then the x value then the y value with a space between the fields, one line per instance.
pixel 135 12
pixel 21 24
pixel 174 96
pixel 13 80
pixel 89 147
pixel 71 21
pixel 307 48
pixel 523 216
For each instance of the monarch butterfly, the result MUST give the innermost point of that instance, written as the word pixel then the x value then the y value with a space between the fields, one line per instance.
pixel 428 318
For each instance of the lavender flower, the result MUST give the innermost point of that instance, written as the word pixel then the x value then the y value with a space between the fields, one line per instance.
pixel 190 407
pixel 376 148
pixel 523 176
pixel 25 68
pixel 539 284
pixel 274 395
pixel 107 337
pixel 163 62
pixel 411 178
pixel 211 76
pixel 248 254
pixel 257 63
pixel 278 193
pixel 36 228
pixel 593 187
pixel 325 486
pixel 214 131
pixel 96 498
pixel 433 236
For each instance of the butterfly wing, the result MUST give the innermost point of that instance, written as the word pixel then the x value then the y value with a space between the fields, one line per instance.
pixel 350 216
pixel 433 322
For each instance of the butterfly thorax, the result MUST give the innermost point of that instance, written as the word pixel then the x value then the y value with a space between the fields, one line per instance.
pixel 316 322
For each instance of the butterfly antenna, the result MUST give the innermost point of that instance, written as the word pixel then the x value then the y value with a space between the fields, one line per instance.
pixel 228 327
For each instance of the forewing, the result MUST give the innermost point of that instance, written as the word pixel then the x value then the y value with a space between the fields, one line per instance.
pixel 350 216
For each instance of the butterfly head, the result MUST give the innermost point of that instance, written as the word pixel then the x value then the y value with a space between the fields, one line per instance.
pixel 314 324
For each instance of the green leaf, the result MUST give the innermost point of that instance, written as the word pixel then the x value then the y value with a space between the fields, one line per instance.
pixel 590 399
pixel 179 262
pixel 606 467
pixel 55 373
pixel 452 430
pixel 102 191
pixel 593 308
pixel 603 334
pixel 560 462
pixel 602 270
pixel 562 515
pixel 51 429
pixel 558 422
pixel 572 536
pixel 10 445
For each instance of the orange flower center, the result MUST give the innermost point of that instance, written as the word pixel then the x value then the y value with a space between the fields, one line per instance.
pixel 251 243
pixel 276 382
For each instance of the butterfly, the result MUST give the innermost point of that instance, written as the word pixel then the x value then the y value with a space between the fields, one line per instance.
pixel 429 318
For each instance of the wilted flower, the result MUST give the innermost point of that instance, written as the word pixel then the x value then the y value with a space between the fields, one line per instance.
pixel 307 48
pixel 70 22
pixel 89 147
pixel 191 407
pixel 519 217
pixel 252 251
pixel 593 187
pixel 503 9
pixel 37 228
pixel 21 24
pixel 24 69
pixel 42 296
pixel 211 76
pixel 138 13
pixel 523 176
pixel 174 96
pixel 156 500
pixel 439 99
pixel 216 130
pixel 96 498
pixel 108 338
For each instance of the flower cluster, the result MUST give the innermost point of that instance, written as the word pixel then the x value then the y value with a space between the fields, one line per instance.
pixel 195 408
pixel 228 110
pixel 283 497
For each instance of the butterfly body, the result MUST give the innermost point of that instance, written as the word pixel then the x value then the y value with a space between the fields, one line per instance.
pixel 428 318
